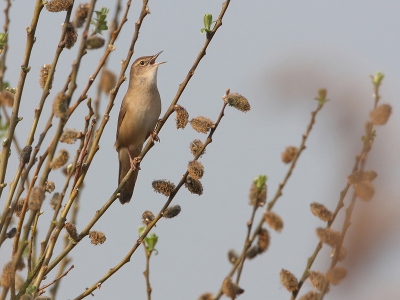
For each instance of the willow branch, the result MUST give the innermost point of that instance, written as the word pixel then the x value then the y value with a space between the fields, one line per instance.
pixel 146 273
pixel 17 97
pixel 280 187
pixel 127 258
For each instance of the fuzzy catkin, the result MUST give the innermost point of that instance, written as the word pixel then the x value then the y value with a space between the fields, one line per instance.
pixel 194 186
pixel 202 124
pixel 97 237
pixel 238 101
pixel 196 146
pixel 163 186
pixel 273 220
pixel 195 169
pixel 288 280
pixel 320 211
pixel 182 116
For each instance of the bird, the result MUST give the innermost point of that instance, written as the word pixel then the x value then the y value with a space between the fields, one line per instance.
pixel 138 116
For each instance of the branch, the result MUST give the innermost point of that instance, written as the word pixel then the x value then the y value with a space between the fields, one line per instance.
pixel 127 258
pixel 17 97
pixel 280 187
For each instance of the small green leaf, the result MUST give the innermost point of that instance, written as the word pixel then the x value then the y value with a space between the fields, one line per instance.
pixel 202 30
pixel 151 241
pixel 207 21
pixel 321 97
pixel 260 181
pixel 31 289
pixel 377 79
pixel 141 229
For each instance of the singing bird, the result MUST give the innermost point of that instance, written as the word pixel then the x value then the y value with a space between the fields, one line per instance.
pixel 138 116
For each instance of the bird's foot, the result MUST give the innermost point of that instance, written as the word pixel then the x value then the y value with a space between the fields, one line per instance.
pixel 154 137
pixel 134 161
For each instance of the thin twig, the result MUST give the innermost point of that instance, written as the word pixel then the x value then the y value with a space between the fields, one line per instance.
pixel 280 187
pixel 146 273
pixel 127 258
pixel 17 97
pixel 57 279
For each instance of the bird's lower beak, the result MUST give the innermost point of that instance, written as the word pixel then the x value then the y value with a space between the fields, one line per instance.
pixel 153 60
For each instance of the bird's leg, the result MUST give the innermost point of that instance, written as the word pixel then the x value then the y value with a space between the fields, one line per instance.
pixel 134 161
pixel 153 136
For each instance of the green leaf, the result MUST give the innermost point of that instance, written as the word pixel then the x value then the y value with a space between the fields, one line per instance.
pixel 151 241
pixel 207 21
pixel 321 97
pixel 260 181
pixel 141 229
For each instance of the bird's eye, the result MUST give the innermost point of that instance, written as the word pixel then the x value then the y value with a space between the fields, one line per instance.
pixel 141 63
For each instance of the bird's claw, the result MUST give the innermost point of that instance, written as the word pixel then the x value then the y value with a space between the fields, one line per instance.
pixel 134 161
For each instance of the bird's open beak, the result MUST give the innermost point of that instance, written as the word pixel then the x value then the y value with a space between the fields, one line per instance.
pixel 153 60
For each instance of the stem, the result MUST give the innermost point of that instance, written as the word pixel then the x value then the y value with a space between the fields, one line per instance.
pixel 127 258
pixel 17 97
pixel 280 187
pixel 146 273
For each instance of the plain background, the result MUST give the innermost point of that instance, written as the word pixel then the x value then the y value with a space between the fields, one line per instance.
pixel 277 54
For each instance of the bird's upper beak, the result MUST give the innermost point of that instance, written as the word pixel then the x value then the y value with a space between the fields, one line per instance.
pixel 153 60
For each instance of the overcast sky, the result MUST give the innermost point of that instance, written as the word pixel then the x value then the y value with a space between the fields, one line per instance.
pixel 277 54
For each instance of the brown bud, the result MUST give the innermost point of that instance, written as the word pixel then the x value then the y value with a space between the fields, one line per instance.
pixel 253 252
pixel 263 240
pixel 312 295
pixel 365 190
pixel 202 124
pixel 80 14
pixel 6 275
pixel 60 160
pixel 163 186
pixel 18 207
pixel 318 280
pixel 273 220
pixel 147 217
pixel 60 106
pixel 320 211
pixel 36 198
pixel 97 237
pixel 54 200
pixel 11 233
pixel 233 256
pixel 288 280
pixel 194 186
pixel 70 36
pixel 206 296
pixel 196 146
pixel 25 154
pixel 335 275
pixel 231 289
pixel 196 169
pixel 7 98
pixel 108 80
pixel 289 154
pixel 172 211
pixel 71 229
pixel 238 101
pixel 59 5
pixel 69 136
pixel 95 42
pixel 359 176
pixel 49 186
pixel 328 236
pixel 259 197
pixel 380 115
pixel 44 74
pixel 182 116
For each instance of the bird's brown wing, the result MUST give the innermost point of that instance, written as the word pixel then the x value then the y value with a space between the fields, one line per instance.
pixel 122 113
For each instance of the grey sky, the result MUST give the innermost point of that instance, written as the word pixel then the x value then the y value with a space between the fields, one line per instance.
pixel 277 54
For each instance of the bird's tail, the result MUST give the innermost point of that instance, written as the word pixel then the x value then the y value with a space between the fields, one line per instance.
pixel 124 167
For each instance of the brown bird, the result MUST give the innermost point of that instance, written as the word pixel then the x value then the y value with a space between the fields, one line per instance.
pixel 140 110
